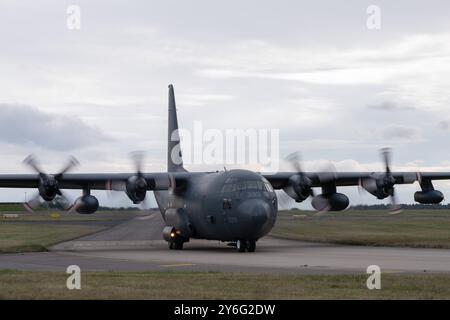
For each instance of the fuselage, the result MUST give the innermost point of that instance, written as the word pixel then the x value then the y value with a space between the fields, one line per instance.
pixel 226 205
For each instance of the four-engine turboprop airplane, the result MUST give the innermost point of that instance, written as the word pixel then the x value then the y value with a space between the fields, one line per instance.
pixel 236 206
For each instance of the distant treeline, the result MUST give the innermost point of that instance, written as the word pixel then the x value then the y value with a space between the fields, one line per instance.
pixel 416 206
pixel 17 206
pixel 101 208
pixel 403 206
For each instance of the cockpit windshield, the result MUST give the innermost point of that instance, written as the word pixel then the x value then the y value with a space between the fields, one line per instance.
pixel 247 185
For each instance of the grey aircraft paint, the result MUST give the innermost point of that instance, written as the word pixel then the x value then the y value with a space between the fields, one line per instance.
pixel 228 205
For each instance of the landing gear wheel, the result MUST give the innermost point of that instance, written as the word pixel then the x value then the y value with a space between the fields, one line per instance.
pixel 251 246
pixel 241 245
pixel 178 245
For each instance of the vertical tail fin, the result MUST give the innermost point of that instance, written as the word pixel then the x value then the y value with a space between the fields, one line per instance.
pixel 174 156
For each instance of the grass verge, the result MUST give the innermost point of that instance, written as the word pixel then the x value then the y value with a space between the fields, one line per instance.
pixel 30 238
pixel 412 228
pixel 38 231
pixel 201 285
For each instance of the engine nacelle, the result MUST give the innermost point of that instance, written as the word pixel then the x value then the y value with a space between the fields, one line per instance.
pixel 376 186
pixel 428 197
pixel 178 218
pixel 48 187
pixel 86 204
pixel 169 233
pixel 330 202
pixel 299 188
pixel 136 189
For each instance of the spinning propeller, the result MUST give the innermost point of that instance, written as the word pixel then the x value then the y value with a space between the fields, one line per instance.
pixel 48 184
pixel 382 185
pixel 136 186
pixel 300 186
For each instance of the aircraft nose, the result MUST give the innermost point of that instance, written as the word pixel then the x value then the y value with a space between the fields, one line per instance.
pixel 257 211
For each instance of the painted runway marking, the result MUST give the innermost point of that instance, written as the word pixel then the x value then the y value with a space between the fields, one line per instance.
pixel 145 217
pixel 178 265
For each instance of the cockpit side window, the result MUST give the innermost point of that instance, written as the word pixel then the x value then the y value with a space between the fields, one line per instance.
pixel 268 186
pixel 261 186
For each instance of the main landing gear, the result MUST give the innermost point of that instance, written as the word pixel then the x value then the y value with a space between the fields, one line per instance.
pixel 246 245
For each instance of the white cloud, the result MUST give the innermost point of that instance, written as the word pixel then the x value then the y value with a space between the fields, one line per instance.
pixel 311 78
pixel 203 99
pixel 30 127
pixel 415 69
pixel 403 133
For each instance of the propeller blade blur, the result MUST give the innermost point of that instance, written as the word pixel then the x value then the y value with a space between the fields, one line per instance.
pixel 33 204
pixel 32 163
pixel 138 159
pixel 72 162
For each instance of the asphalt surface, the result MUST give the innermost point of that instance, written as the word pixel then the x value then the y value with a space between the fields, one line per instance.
pixel 137 245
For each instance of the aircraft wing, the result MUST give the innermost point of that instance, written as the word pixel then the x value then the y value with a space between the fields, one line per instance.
pixel 318 179
pixel 299 186
pixel 92 181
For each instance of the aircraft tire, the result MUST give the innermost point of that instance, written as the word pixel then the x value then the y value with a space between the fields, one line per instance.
pixel 178 245
pixel 241 245
pixel 251 246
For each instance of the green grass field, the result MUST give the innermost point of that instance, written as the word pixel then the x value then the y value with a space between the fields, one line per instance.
pixel 11 207
pixel 26 238
pixel 201 285
pixel 36 232
pixel 412 228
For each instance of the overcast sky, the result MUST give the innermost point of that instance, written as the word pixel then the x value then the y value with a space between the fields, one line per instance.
pixel 335 89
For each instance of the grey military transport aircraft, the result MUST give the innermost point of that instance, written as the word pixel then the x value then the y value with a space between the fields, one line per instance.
pixel 235 206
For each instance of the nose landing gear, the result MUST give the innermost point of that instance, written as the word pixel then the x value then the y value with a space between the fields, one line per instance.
pixel 176 245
